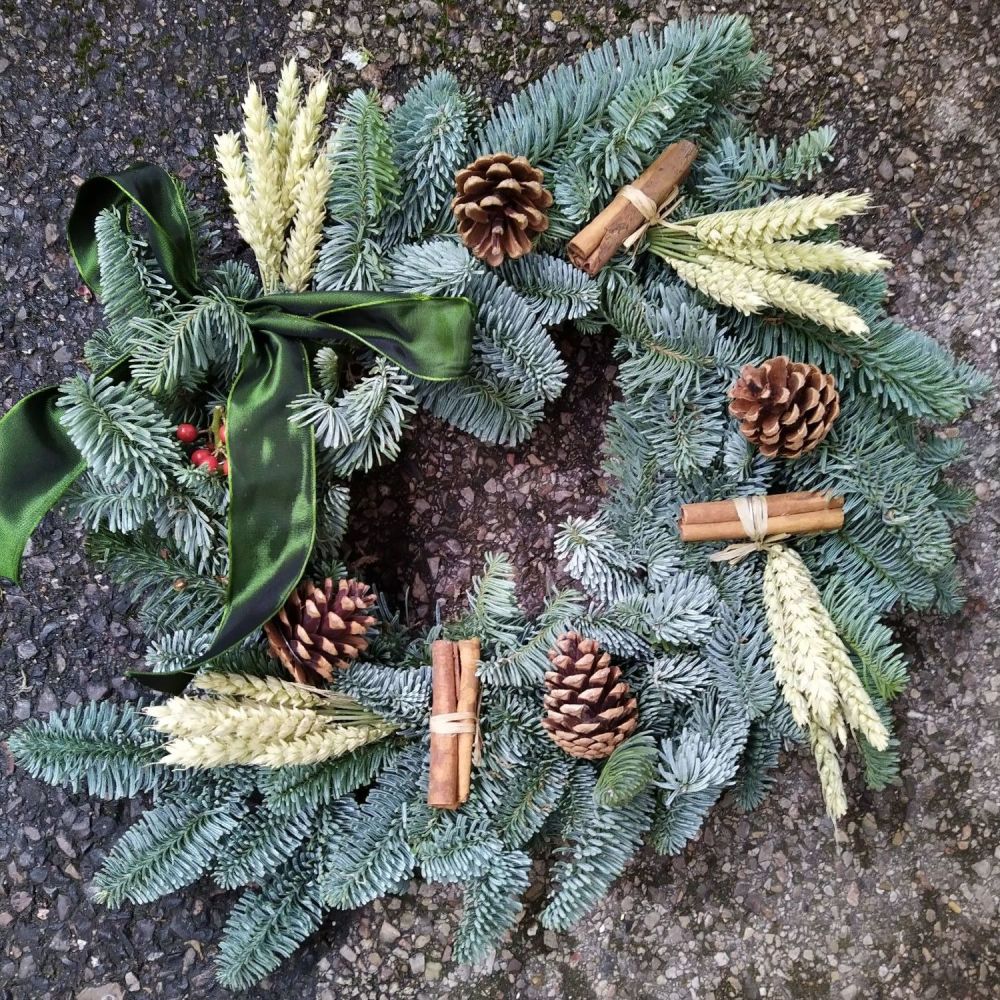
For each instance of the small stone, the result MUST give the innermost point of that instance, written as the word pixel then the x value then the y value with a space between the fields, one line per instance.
pixel 26 650
pixel 348 954
pixel 51 233
pixel 109 991
pixel 417 963
pixel 267 68
pixel 388 934
pixel 352 25
pixel 885 170
pixel 556 16
pixel 20 901
pixel 432 971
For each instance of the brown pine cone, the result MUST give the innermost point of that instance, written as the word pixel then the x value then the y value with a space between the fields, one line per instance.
pixel 784 407
pixel 321 627
pixel 589 708
pixel 500 205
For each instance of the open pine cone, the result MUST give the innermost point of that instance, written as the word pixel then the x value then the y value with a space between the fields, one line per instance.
pixel 500 205
pixel 589 708
pixel 321 627
pixel 784 407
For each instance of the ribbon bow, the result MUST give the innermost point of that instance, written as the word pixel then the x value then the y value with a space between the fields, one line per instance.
pixel 752 512
pixel 272 463
pixel 655 215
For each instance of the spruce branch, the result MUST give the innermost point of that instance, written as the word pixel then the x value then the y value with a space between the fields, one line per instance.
pixel 106 749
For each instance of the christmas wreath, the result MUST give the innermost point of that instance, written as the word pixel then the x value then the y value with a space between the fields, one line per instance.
pixel 315 749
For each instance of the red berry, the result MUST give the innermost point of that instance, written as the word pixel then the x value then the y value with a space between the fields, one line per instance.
pixel 187 433
pixel 222 434
pixel 224 467
pixel 200 456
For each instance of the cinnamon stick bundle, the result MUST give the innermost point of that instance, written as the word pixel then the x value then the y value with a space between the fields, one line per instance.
pixel 791 513
pixel 454 708
pixel 604 235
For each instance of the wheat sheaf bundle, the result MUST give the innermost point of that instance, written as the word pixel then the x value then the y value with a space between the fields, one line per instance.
pixel 278 178
pixel 815 672
pixel 745 259
pixel 262 721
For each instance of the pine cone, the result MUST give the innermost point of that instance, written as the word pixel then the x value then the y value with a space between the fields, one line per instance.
pixel 500 205
pixel 321 628
pixel 784 407
pixel 589 708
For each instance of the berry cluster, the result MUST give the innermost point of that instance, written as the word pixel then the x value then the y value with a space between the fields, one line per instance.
pixel 210 454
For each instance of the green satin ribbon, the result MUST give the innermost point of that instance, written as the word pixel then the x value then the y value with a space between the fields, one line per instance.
pixel 272 463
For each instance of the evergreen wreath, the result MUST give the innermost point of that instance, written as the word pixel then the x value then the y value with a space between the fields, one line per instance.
pixel 318 799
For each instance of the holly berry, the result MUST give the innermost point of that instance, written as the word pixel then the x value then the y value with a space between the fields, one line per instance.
pixel 211 464
pixel 222 434
pixel 200 456
pixel 224 467
pixel 187 433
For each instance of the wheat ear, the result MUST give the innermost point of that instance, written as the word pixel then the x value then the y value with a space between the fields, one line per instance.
pixel 239 720
pixel 305 136
pixel 720 280
pixel 792 295
pixel 799 647
pixel 790 255
pixel 212 751
pixel 309 212
pixel 229 153
pixel 858 708
pixel 265 183
pixel 782 219
pixel 270 690
pixel 828 765
pixel 286 107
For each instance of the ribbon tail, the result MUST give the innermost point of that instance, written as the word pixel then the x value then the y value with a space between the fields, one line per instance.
pixel 272 480
pixel 38 463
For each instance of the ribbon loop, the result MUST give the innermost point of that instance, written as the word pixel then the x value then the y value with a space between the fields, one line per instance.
pixel 160 199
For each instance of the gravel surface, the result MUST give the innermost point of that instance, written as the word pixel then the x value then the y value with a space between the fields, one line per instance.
pixel 763 905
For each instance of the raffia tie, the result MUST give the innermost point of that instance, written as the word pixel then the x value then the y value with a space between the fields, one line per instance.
pixel 752 512
pixel 655 215
pixel 456 723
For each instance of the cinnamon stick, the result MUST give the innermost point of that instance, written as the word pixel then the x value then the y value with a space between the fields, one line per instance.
pixel 829 519
pixel 778 505
pixel 442 786
pixel 468 701
pixel 604 235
